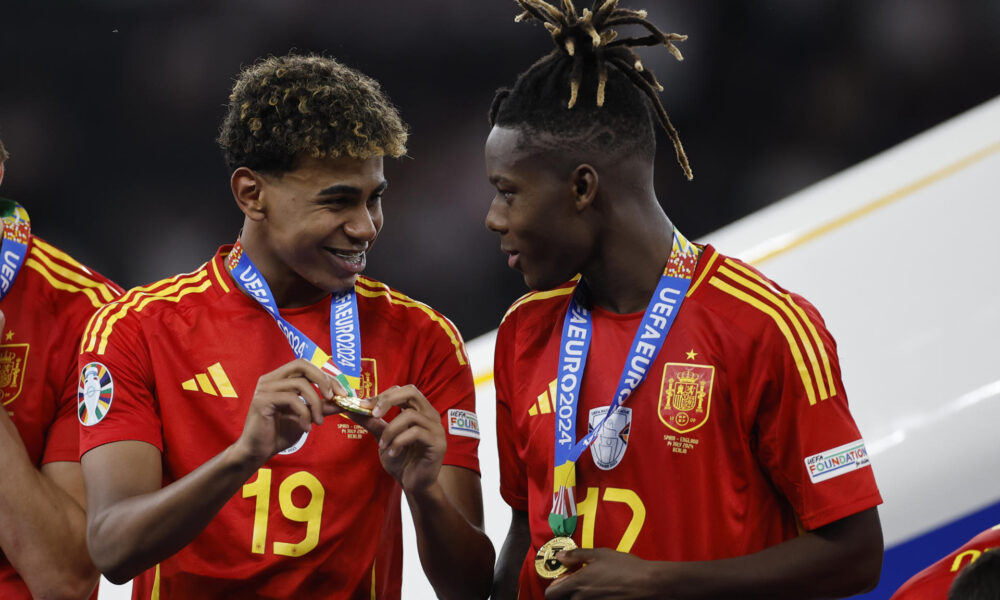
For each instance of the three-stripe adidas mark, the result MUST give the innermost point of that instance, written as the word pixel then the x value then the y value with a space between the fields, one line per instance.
pixel 546 401
pixel 203 382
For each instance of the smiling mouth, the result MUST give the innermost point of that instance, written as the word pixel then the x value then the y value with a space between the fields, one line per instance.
pixel 351 257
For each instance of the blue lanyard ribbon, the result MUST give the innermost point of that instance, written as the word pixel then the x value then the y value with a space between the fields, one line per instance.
pixel 345 330
pixel 14 249
pixel 573 350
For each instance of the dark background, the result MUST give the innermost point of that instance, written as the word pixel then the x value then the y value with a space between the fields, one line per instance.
pixel 110 109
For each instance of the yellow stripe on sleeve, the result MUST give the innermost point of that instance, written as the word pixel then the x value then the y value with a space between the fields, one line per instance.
pixel 792 318
pixel 537 296
pixel 383 290
pixel 42 251
pixel 140 300
pixel 61 285
pixel 219 277
pixel 782 325
pixel 809 325
pixel 130 297
pixel 704 271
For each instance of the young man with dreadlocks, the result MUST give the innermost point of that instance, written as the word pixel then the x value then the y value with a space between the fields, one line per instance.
pixel 218 460
pixel 46 298
pixel 723 461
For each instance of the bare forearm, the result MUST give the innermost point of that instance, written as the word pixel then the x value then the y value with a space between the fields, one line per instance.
pixel 508 568
pixel 42 528
pixel 823 564
pixel 448 545
pixel 132 535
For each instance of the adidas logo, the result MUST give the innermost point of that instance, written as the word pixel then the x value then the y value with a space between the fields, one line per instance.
pixel 546 401
pixel 203 382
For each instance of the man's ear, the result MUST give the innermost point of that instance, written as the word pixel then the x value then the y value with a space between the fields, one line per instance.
pixel 247 186
pixel 1 172
pixel 585 184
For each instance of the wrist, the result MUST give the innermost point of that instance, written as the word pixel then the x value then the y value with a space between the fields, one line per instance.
pixel 427 496
pixel 238 457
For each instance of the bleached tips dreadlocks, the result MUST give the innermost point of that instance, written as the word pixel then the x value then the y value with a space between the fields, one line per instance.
pixel 592 89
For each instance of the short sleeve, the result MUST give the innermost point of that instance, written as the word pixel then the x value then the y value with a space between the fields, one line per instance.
pixel 445 379
pixel 513 478
pixel 808 442
pixel 115 374
pixel 62 442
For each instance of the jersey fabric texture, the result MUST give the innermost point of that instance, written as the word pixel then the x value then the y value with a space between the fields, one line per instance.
pixel 182 358
pixel 934 582
pixel 724 450
pixel 46 309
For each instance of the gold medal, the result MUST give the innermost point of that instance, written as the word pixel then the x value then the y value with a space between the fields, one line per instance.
pixel 545 561
pixel 353 404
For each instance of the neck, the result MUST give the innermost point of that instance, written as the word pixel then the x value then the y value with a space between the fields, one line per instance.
pixel 630 258
pixel 289 289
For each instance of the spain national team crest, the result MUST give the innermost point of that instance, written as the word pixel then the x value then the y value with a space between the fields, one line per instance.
pixel 612 441
pixel 686 396
pixel 13 360
pixel 96 391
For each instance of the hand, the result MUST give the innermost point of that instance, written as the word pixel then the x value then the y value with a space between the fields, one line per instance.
pixel 603 573
pixel 412 445
pixel 285 405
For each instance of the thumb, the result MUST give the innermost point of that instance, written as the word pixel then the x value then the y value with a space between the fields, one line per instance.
pixel 374 425
pixel 3 320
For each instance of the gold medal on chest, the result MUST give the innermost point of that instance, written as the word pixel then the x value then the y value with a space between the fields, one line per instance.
pixel 545 561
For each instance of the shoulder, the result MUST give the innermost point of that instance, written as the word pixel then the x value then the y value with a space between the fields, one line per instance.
pixel 66 280
pixel 539 304
pixel 127 314
pixel 745 299
pixel 393 305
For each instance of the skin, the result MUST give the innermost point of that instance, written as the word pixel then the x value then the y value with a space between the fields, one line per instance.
pixel 42 517
pixel 43 520
pixel 295 225
pixel 598 215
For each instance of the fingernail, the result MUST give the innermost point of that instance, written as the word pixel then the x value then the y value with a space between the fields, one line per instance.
pixel 381 444
pixel 392 452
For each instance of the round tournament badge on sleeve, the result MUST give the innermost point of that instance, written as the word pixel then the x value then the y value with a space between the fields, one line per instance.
pixel 96 391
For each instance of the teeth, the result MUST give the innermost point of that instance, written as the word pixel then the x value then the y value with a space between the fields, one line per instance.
pixel 351 257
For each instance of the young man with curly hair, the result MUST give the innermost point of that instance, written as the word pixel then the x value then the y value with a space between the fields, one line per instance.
pixel 46 298
pixel 703 448
pixel 218 458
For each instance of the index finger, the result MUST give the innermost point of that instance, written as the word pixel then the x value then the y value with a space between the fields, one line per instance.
pixel 404 397
pixel 301 367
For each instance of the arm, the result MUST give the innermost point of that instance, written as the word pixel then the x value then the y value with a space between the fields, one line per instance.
pixel 809 566
pixel 42 521
pixel 448 519
pixel 508 569
pixel 446 502
pixel 133 523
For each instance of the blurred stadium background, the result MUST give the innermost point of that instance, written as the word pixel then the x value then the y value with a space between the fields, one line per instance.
pixel 110 108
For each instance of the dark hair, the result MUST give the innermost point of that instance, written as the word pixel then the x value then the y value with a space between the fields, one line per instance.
pixel 3 153
pixel 592 90
pixel 284 107
pixel 980 580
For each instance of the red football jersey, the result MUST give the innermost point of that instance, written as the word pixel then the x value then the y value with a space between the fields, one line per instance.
pixel 46 309
pixel 934 582
pixel 178 362
pixel 739 434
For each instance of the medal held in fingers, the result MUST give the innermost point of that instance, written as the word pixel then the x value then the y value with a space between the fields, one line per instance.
pixel 546 563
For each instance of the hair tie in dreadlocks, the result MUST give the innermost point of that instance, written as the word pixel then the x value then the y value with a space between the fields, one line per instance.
pixel 588 37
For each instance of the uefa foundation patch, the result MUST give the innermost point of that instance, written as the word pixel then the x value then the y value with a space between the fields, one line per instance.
pixel 837 461
pixel 95 393
pixel 463 422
